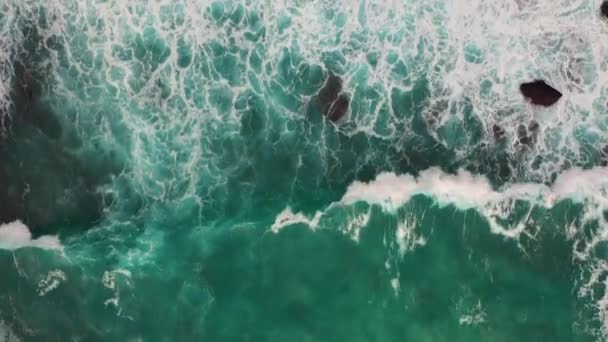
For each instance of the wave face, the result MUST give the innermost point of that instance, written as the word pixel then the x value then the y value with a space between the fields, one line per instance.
pixel 302 171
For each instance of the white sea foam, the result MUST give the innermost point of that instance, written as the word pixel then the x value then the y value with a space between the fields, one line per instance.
pixel 354 223
pixel 17 235
pixel 475 316
pixel 118 281
pixel 510 41
pixel 8 41
pixel 464 191
pixel 51 281
pixel 7 334
pixel 467 191
pixel 578 184
pixel 392 191
pixel 396 285
pixel 287 218
pixel 406 236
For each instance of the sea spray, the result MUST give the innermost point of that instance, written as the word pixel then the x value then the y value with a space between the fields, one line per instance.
pixel 180 156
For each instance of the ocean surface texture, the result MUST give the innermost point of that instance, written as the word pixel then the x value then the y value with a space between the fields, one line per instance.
pixel 303 171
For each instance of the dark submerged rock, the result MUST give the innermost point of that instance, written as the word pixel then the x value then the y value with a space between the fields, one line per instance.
pixel 540 93
pixel 338 108
pixel 527 135
pixel 522 135
pixel 533 126
pixel 334 104
pixel 498 131
pixel 604 9
pixel 42 183
pixel 604 156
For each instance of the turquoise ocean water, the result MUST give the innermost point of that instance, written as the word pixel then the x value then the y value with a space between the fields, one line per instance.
pixel 167 172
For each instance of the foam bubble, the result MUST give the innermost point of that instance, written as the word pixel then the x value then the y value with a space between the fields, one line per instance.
pixel 578 184
pixel 116 281
pixel 476 316
pixel 16 235
pixel 355 223
pixel 8 40
pixel 396 285
pixel 464 190
pixel 51 281
pixel 287 218
pixel 406 236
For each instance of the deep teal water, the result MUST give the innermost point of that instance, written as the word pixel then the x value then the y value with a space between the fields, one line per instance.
pixel 180 154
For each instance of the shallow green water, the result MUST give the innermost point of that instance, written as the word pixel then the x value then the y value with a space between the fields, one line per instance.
pixel 181 182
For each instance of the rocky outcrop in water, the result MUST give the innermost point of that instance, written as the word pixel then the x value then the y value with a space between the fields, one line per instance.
pixel 538 92
pixel 333 102
pixel 604 9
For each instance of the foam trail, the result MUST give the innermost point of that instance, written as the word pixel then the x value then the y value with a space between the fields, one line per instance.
pixel 50 282
pixel 16 235
pixel 287 218
pixel 463 190
pixel 7 43
pixel 466 190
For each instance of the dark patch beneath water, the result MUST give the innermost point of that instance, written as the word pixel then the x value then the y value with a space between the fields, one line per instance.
pixel 332 101
pixel 41 182
pixel 604 9
pixel 526 135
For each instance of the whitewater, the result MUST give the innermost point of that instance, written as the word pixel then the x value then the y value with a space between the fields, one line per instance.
pixel 302 170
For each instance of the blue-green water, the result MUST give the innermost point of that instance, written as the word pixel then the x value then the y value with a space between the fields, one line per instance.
pixel 169 171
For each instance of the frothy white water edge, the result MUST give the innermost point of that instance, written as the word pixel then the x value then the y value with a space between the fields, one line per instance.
pixel 465 191
pixel 16 235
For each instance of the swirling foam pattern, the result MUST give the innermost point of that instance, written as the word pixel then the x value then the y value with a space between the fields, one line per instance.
pixel 167 172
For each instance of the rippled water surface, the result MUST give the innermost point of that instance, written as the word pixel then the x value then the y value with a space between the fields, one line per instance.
pixel 302 170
